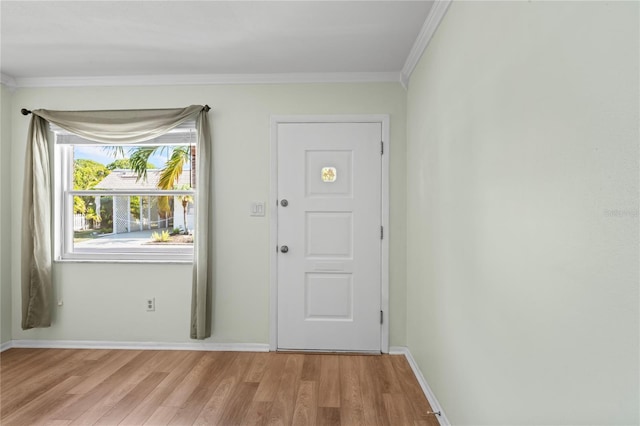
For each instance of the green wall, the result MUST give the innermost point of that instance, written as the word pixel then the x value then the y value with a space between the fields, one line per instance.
pixel 5 214
pixel 522 211
pixel 106 302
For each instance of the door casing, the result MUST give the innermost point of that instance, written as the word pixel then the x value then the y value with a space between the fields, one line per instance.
pixel 383 119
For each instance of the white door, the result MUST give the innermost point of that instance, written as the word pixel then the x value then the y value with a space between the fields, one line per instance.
pixel 329 236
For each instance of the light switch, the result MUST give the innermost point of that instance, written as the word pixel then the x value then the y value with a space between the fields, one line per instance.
pixel 257 208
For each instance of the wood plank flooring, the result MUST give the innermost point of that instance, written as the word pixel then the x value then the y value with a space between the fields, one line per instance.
pixel 131 387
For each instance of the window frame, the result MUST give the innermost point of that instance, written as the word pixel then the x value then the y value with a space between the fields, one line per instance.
pixel 63 193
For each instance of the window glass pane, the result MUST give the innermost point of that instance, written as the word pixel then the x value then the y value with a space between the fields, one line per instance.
pixel 110 223
pixel 133 167
pixel 135 223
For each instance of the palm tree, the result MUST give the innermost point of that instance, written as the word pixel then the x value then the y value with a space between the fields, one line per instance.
pixel 169 174
pixel 185 200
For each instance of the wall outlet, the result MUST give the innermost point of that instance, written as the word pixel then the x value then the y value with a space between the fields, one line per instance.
pixel 151 304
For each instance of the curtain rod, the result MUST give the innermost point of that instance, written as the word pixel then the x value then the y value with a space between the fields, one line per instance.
pixel 25 111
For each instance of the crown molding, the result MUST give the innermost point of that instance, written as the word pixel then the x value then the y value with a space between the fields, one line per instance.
pixel 8 81
pixel 437 12
pixel 208 79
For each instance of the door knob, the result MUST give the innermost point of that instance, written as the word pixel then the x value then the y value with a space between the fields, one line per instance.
pixel 284 203
pixel 284 249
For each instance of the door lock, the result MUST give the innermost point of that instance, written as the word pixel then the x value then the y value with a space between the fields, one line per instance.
pixel 284 203
pixel 284 249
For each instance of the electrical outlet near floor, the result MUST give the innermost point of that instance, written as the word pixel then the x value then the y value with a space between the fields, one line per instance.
pixel 151 304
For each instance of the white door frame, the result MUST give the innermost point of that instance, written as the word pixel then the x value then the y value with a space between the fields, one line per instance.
pixel 383 119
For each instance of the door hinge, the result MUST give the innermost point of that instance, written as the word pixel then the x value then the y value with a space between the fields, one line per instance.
pixel 381 232
pixel 381 316
pixel 381 147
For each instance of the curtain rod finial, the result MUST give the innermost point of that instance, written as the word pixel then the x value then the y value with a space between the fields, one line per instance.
pixel 207 108
pixel 25 111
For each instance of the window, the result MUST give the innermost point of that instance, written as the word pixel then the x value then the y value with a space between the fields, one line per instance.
pixel 125 202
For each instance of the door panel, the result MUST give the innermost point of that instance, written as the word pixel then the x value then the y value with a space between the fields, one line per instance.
pixel 329 234
pixel 329 280
pixel 329 296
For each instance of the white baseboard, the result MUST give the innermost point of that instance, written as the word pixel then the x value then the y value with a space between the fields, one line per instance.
pixel 431 397
pixel 6 345
pixel 97 344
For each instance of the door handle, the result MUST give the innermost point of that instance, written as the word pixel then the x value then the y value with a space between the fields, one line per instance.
pixel 284 249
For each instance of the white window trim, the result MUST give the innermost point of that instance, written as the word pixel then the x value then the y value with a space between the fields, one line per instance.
pixel 63 208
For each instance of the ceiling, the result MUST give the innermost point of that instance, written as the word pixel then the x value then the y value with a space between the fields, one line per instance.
pixel 91 39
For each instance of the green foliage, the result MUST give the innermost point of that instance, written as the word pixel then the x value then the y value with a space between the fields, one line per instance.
pixel 92 215
pixel 169 174
pixel 139 159
pixel 134 204
pixel 88 173
pixel 163 237
pixel 121 163
pixel 79 206
pixel 125 163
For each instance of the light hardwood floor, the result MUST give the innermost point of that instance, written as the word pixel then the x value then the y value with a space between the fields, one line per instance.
pixel 132 387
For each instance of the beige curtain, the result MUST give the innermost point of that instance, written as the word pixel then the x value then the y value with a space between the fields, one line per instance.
pixel 109 127
pixel 36 230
